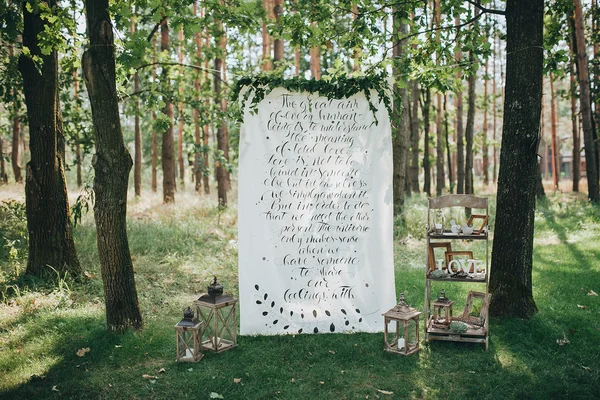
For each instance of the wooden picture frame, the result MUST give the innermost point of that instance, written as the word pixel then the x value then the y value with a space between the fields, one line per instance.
pixel 483 312
pixel 431 258
pixel 450 256
pixel 484 218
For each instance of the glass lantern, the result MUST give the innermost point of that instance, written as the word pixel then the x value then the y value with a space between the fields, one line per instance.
pixel 404 339
pixel 442 310
pixel 217 311
pixel 188 338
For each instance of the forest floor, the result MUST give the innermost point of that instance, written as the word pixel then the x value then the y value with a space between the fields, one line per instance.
pixel 176 250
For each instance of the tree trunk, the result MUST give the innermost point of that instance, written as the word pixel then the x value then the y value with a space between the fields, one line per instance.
pixel 585 106
pixel 206 133
pixel 460 144
pixel 446 138
pixel 510 281
pixel 415 137
pixel 223 45
pixel 180 117
pixel 154 133
pixel 439 149
pixel 168 145
pixel 484 142
pixel 112 164
pixel 137 164
pixel 219 163
pixel 197 130
pixel 278 42
pixel 16 139
pixel 3 174
pixel 78 156
pixel 47 204
pixel 315 62
pixel 401 119
pixel 267 64
pixel 554 144
pixel 494 113
pixel 297 61
pixel 575 128
pixel 426 166
pixel 470 128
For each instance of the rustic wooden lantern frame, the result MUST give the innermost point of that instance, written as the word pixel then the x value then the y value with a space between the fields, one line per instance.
pixel 402 315
pixel 442 309
pixel 220 320
pixel 189 348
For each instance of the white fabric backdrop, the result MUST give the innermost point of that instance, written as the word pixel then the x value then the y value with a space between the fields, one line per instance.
pixel 315 216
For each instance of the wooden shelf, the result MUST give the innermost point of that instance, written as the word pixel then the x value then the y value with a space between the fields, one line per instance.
pixel 449 279
pixel 450 235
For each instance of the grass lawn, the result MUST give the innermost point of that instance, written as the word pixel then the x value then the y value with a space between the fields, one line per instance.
pixel 178 248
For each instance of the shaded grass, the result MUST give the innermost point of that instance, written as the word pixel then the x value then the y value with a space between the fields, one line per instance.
pixel 177 249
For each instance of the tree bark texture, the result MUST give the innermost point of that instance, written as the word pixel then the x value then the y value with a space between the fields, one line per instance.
pixel 3 174
pixel 511 282
pixel 219 164
pixel 401 120
pixel 278 42
pixel 180 116
pixel 197 129
pixel 554 137
pixel 484 131
pixel 154 133
pixel 168 143
pixel 439 148
pixel 447 142
pixel 47 205
pixel 414 126
pixel 426 166
pixel 472 81
pixel 78 155
pixel 137 164
pixel 585 107
pixel 460 144
pixel 112 165
pixel 575 129
pixel 15 156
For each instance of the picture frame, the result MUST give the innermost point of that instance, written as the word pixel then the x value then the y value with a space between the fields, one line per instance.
pixel 484 218
pixel 431 256
pixel 450 257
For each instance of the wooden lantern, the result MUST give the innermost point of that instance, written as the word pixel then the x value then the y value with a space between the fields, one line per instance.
pixel 405 339
pixel 218 313
pixel 188 338
pixel 442 310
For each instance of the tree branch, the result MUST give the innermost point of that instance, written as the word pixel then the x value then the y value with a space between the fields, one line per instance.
pixel 485 10
pixel 196 67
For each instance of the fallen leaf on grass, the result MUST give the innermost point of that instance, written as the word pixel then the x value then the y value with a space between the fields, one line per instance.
pixel 385 392
pixel 237 380
pixel 81 352
pixel 472 372
pixel 146 376
pixel 191 369
pixel 582 307
pixel 54 389
pixel 588 369
pixel 162 371
pixel 321 382
pixel 214 395
pixel 563 341
pixel 331 352
pixel 118 346
pixel 592 293
pixel 293 380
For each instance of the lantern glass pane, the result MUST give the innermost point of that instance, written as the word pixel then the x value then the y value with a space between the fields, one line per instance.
pixel 185 345
pixel 412 333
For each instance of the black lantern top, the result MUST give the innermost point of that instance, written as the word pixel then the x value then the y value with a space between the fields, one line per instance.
pixel 215 294
pixel 188 319
pixel 442 298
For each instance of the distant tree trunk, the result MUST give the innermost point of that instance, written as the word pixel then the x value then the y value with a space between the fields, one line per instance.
pixel 78 157
pixel 168 147
pixel 484 142
pixel 401 119
pixel 3 174
pixel 16 139
pixel 426 166
pixel 585 106
pixel 137 164
pixel 223 45
pixel 315 62
pixel 460 145
pixel 297 61
pixel 154 133
pixel 510 281
pixel 221 145
pixel 112 163
pixel 472 81
pixel 206 133
pixel 575 128
pixel 197 131
pixel 356 52
pixel 446 138
pixel 267 64
pixel 278 42
pixel 415 137
pixel 554 144
pixel 180 117
pixel 439 149
pixel 47 204
pixel 494 113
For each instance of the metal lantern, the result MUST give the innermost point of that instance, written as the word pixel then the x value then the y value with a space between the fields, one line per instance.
pixel 217 311
pixel 405 339
pixel 189 333
pixel 442 310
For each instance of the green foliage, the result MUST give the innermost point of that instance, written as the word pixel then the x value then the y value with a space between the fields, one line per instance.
pixel 341 86
pixel 13 237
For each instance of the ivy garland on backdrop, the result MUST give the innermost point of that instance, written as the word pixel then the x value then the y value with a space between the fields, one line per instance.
pixel 338 87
